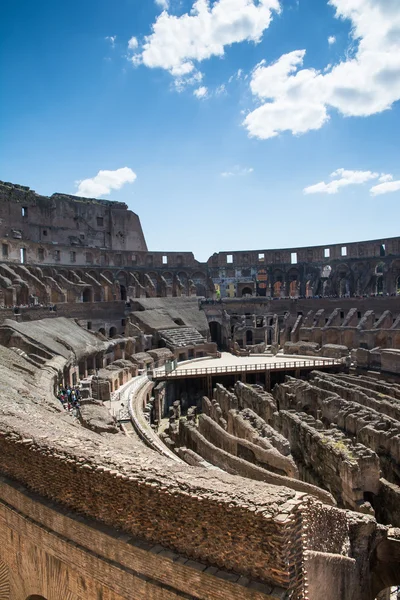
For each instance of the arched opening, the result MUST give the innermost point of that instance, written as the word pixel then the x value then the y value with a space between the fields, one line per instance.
pixel 112 332
pixel 247 291
pixel 123 292
pixel 36 597
pixel 249 337
pixel 216 334
pixel 277 289
pixel 379 285
pixel 102 331
pixel 161 344
pixel 293 293
pixel 87 295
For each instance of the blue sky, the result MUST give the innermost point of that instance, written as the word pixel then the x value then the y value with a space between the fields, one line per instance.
pixel 213 148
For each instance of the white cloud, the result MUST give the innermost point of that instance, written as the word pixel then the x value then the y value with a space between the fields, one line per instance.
pixel 178 42
pixel 238 171
pixel 201 92
pixel 385 188
pixel 111 39
pixel 385 177
pixel 340 178
pixel 220 90
pixel 331 40
pixel 365 83
pixel 133 43
pixel 104 182
pixel 164 4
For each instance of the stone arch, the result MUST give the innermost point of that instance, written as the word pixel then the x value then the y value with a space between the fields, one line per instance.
pixel 153 276
pixel 4 582
pixel 293 279
pixel 112 332
pixel 36 597
pixel 122 277
pixel 277 283
pixel 200 281
pixel 93 274
pixel 247 291
pixel 343 280
pixel 108 275
pixel 386 571
pixel 168 277
pixel 379 286
pixel 102 331
pixel 183 276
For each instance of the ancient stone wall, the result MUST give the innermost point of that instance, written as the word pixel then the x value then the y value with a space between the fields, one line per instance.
pixel 64 220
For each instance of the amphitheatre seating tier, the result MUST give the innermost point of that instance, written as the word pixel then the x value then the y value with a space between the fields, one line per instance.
pixel 118 481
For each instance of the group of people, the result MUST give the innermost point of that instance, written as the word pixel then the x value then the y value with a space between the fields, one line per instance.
pixel 69 397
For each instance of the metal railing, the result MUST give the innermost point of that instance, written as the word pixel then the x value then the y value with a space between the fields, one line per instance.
pixel 276 366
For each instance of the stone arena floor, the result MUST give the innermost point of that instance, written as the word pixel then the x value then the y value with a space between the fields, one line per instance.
pixel 228 359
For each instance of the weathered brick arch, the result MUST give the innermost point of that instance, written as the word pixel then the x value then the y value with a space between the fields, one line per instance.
pixel 108 274
pixel 94 274
pixel 168 277
pixel 4 582
pixel 200 281
pixel 122 276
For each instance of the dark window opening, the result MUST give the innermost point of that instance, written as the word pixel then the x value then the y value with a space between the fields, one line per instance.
pixel 4 250
pixel 359 314
pixel 89 325
pixel 72 256
pixel 123 292
pixel 24 211
pixel 123 321
pixel 87 295
pixel 44 232
pixel 342 314
pixel 382 250
pixel 249 337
